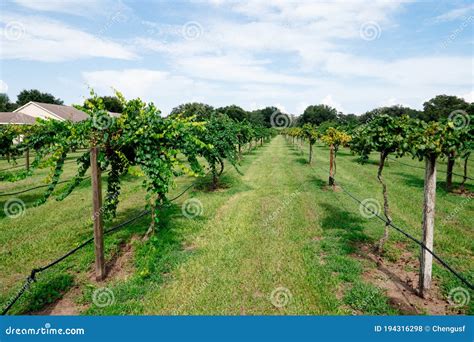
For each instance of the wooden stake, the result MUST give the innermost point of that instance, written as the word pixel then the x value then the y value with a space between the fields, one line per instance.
pixel 426 259
pixel 97 215
pixel 27 159
pixel 449 172
pixel 331 166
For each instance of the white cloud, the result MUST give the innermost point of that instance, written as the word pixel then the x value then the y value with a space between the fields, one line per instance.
pixel 300 107
pixel 305 29
pixel 3 87
pixel 136 82
pixel 469 97
pixel 390 102
pixel 254 106
pixel 454 14
pixel 168 90
pixel 329 101
pixel 43 39
pixel 304 33
pixel 232 68
pixel 339 12
pixel 150 85
pixel 447 71
pixel 281 107
pixel 74 7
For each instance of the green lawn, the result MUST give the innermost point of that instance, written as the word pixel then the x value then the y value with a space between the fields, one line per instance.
pixel 272 240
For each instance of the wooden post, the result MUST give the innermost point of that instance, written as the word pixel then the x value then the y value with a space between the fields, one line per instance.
pixel 310 152
pixel 449 172
pixel 331 166
pixel 27 159
pixel 426 259
pixel 464 178
pixel 97 215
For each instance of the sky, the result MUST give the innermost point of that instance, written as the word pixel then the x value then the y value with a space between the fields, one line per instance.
pixel 351 55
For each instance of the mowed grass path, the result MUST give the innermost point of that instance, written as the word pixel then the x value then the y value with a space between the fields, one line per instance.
pixel 253 244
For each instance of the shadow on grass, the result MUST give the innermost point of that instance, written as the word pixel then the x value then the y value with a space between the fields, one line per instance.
pixel 345 225
pixel 411 179
pixel 418 181
pixel 344 153
pixel 360 161
pixel 252 152
pixel 225 181
pixel 303 161
pixel 296 153
pixel 318 182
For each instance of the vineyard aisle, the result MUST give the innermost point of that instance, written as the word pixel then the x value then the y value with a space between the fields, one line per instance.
pixel 260 250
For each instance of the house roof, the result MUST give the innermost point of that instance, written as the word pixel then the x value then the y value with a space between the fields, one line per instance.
pixel 64 112
pixel 16 118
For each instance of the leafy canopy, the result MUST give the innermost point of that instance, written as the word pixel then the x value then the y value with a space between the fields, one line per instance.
pixel 334 137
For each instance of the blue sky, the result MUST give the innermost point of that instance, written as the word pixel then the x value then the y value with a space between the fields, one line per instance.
pixel 353 55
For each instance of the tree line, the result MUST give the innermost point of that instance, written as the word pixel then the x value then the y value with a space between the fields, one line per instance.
pixel 435 109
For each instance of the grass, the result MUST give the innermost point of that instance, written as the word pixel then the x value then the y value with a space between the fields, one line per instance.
pixel 273 233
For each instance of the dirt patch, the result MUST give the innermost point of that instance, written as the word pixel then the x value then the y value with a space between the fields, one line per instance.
pixel 331 188
pixel 400 281
pixel 463 193
pixel 66 306
pixel 208 186
pixel 189 247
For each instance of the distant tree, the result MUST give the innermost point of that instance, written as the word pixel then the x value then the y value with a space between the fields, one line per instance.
pixel 396 111
pixel 202 111
pixel 348 120
pixel 441 106
pixel 325 125
pixel 111 103
pixel 234 112
pixel 245 133
pixel 26 96
pixel 310 133
pixel 267 115
pixel 334 138
pixel 5 104
pixel 222 134
pixel 256 117
pixel 317 114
